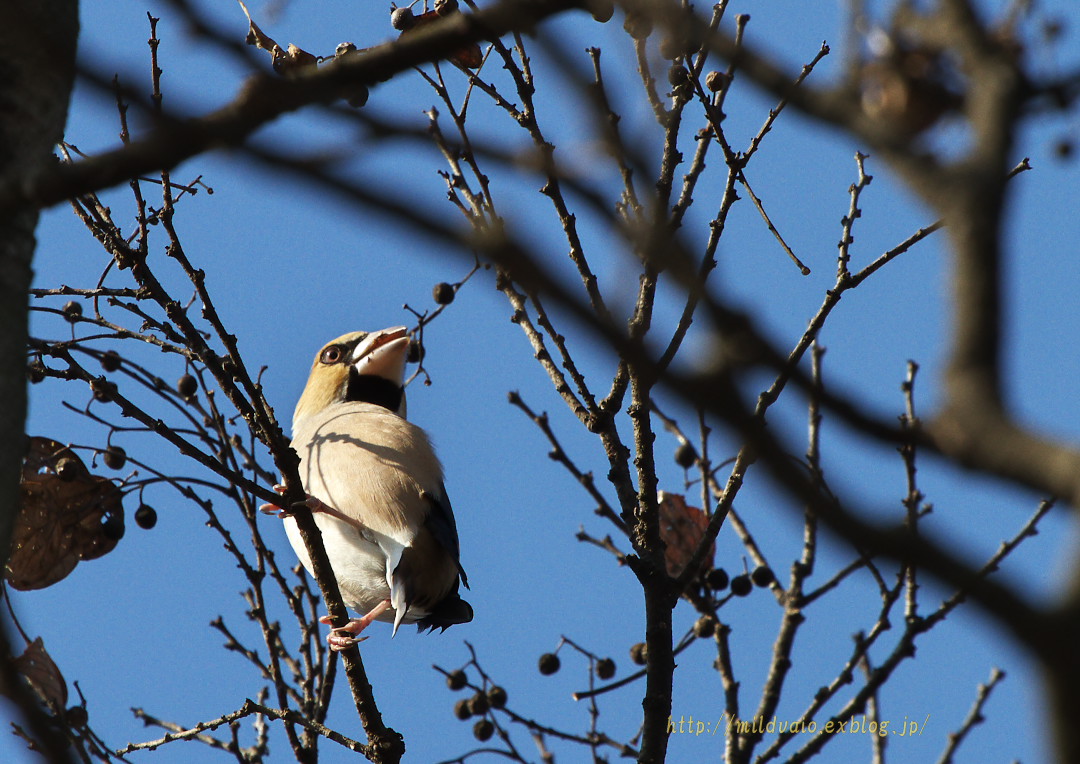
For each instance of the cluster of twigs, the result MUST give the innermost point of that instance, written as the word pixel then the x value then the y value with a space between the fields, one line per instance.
pixel 646 219
pixel 134 305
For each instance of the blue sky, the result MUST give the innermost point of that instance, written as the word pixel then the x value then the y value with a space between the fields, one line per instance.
pixel 291 267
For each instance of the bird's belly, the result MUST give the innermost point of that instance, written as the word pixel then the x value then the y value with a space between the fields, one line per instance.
pixel 359 566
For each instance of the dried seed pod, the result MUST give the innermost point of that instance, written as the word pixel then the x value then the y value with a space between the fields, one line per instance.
pixel 443 293
pixel 483 730
pixel 705 626
pixel 717 579
pixel 187 385
pixel 602 10
pixel 685 456
pixel 145 517
pixel 762 575
pixel 478 704
pixel 456 679
pixel 496 696
pixel 716 81
pixel 110 361
pixel 72 310
pixel 605 668
pixel 114 457
pixel 548 664
pixel 402 19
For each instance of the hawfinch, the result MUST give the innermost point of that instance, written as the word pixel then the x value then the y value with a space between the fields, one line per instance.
pixel 376 490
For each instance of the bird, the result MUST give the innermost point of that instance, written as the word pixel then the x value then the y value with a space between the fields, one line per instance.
pixel 375 488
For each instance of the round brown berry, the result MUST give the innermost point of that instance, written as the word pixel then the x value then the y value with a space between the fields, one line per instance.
pixel 548 664
pixel 677 75
pixel 602 10
pixel 685 456
pixel 443 293
pixel 145 517
pixel 187 385
pixel 705 626
pixel 762 575
pixel 358 96
pixel 104 391
pixel 716 81
pixel 402 19
pixel 416 352
pixel 35 372
pixel 716 579
pixel 72 310
pixel 77 716
pixel 605 668
pixel 478 704
pixel 639 653
pixel 456 679
pixel 496 696
pixel 114 457
pixel 446 7
pixel 110 361
pixel 741 585
pixel 483 730
pixel 461 709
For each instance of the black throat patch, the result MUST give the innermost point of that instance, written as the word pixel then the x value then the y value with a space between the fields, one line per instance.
pixel 368 388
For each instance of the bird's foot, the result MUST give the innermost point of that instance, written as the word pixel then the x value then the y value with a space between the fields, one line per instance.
pixel 342 637
pixel 274 509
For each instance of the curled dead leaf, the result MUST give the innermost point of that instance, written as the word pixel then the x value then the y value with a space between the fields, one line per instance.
pixel 469 56
pixel 907 88
pixel 43 675
pixel 682 528
pixel 284 60
pixel 62 518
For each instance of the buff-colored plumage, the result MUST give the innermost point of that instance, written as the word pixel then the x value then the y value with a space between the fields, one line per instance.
pixel 387 524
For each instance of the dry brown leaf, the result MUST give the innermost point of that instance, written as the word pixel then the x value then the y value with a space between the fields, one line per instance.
pixel 285 61
pixel 43 675
pixel 681 528
pixel 256 36
pixel 61 516
pixel 295 58
pixel 469 56
pixel 907 89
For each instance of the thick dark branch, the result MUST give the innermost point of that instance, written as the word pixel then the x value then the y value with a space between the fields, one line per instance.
pixel 267 97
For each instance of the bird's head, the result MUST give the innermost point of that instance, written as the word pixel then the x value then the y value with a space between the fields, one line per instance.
pixel 367 367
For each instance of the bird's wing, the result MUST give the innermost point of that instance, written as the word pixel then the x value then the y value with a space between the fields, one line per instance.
pixel 441 524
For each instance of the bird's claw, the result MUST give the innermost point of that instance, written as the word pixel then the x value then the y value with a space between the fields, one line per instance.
pixel 274 509
pixel 339 642
pixel 336 638
pixel 343 637
pixel 312 504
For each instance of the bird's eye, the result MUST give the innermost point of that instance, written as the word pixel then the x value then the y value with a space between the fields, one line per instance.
pixel 332 354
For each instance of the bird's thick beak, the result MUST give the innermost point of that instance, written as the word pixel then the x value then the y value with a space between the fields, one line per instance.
pixel 383 353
